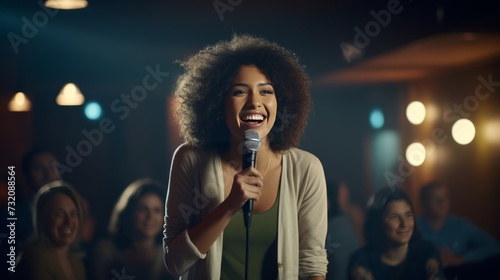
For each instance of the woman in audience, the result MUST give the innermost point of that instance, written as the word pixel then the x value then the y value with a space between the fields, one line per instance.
pixel 134 249
pixel 57 220
pixel 394 249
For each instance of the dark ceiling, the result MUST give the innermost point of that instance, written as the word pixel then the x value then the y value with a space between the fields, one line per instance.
pixel 110 42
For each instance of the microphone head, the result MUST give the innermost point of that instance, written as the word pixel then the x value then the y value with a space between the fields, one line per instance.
pixel 252 140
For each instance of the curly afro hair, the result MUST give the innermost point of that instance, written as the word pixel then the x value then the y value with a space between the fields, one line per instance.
pixel 202 89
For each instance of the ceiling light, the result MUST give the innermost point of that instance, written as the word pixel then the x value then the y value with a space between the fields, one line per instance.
pixel 415 112
pixel 19 103
pixel 70 95
pixel 463 131
pixel 415 154
pixel 66 4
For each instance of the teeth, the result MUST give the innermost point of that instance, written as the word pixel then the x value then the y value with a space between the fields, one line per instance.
pixel 254 117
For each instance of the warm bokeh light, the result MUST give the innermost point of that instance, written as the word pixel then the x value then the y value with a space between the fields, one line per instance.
pixel 70 95
pixel 19 103
pixel 93 111
pixel 415 154
pixel 376 118
pixel 492 131
pixel 463 131
pixel 415 112
pixel 66 4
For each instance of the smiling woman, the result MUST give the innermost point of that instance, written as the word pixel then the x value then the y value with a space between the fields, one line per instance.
pixel 135 235
pixel 57 218
pixel 228 89
pixel 394 248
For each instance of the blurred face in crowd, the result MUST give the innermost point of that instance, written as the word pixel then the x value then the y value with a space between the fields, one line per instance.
pixel 343 196
pixel 43 170
pixel 148 216
pixel 437 204
pixel 61 220
pixel 250 104
pixel 398 222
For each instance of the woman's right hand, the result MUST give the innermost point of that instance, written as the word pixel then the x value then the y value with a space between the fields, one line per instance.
pixel 247 184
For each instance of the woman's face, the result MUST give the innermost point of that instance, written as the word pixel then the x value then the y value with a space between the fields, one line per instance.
pixel 398 222
pixel 148 216
pixel 250 104
pixel 61 220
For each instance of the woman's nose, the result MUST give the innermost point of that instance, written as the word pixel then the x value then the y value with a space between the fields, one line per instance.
pixel 254 99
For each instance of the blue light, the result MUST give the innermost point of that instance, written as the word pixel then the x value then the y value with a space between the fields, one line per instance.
pixel 93 111
pixel 376 118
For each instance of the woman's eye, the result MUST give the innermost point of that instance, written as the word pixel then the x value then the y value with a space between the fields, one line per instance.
pixel 238 92
pixel 267 91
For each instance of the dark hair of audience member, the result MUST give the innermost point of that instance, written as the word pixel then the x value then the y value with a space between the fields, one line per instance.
pixel 121 225
pixel 373 230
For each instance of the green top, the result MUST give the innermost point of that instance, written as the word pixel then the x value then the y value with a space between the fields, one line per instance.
pixel 263 250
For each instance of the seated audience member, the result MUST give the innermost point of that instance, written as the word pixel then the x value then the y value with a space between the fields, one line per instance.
pixel 135 245
pixel 57 220
pixel 467 252
pixel 342 239
pixel 394 249
pixel 356 214
pixel 39 168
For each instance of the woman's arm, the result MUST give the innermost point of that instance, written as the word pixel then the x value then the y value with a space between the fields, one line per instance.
pixel 313 222
pixel 316 278
pixel 187 239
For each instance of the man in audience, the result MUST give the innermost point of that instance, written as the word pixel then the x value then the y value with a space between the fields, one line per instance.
pixel 467 252
pixel 39 168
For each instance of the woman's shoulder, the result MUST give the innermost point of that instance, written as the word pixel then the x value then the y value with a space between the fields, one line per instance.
pixel 36 250
pixel 297 155
pixel 423 248
pixel 362 254
pixel 188 152
pixel 105 251
pixel 361 264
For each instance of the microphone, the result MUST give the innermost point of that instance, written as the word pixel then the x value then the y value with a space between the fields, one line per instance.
pixel 249 152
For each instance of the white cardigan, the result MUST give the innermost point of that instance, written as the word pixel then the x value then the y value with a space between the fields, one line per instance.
pixel 196 187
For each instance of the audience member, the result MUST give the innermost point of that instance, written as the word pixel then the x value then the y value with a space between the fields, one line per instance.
pixel 57 220
pixel 342 239
pixel 394 249
pixel 38 166
pixel 135 245
pixel 467 252
pixel 356 213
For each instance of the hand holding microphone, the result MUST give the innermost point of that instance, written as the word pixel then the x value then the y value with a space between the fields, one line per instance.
pixel 248 182
pixel 249 159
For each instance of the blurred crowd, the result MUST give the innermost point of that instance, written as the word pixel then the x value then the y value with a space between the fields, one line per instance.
pixel 385 240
